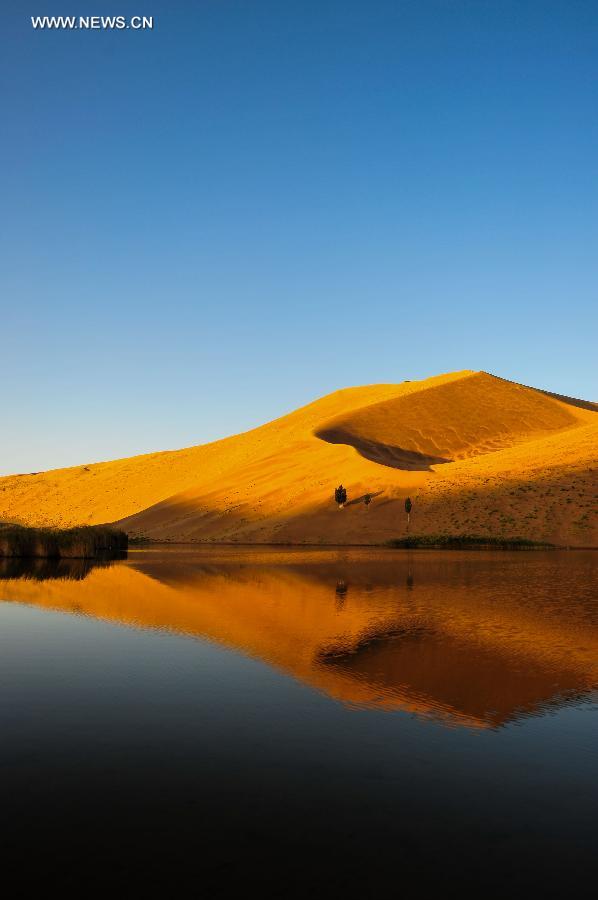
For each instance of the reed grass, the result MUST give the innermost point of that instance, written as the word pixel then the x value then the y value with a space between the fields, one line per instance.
pixel 83 542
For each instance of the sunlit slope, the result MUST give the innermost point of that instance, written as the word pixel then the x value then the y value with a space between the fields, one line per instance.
pixel 458 444
pixel 109 491
pixel 546 446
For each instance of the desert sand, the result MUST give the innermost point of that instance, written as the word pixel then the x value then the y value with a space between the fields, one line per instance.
pixel 477 454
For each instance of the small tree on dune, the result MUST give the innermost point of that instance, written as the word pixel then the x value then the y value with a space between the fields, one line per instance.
pixel 367 500
pixel 408 508
pixel 340 496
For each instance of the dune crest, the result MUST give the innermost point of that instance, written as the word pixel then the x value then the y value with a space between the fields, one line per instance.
pixel 470 416
pixel 476 453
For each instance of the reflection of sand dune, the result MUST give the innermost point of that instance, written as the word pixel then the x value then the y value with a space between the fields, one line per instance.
pixel 476 651
pixel 477 453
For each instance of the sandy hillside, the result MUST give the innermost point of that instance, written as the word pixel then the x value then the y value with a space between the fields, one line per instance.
pixel 476 453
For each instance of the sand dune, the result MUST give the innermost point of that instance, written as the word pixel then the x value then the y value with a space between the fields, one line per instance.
pixel 476 453
pixel 469 416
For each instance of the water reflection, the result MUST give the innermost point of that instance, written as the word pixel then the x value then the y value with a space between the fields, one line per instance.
pixel 471 639
pixel 44 569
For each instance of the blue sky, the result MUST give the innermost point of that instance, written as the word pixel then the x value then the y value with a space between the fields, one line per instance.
pixel 209 224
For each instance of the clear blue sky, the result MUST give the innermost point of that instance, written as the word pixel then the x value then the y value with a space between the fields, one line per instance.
pixel 261 201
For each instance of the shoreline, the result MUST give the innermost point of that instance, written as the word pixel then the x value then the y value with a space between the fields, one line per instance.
pixel 507 545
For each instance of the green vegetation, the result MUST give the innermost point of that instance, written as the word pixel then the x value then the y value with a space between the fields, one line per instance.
pixel 466 542
pixel 340 496
pixel 85 542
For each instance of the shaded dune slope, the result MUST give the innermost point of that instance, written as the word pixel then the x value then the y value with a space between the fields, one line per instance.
pixel 460 444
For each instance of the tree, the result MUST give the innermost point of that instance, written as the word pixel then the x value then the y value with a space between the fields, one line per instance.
pixel 408 508
pixel 340 496
pixel 367 500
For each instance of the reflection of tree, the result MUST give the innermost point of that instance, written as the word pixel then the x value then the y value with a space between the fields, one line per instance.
pixel 341 592
pixel 409 580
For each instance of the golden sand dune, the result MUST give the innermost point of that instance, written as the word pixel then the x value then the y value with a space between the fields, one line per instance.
pixel 476 453
pixel 440 423
pixel 369 630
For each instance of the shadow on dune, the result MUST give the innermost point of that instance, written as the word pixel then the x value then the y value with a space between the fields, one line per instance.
pixel 194 520
pixel 571 401
pixel 361 498
pixel 383 454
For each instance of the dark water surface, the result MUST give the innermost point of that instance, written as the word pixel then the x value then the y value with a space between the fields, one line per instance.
pixel 320 723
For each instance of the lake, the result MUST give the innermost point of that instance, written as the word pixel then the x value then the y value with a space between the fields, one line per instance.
pixel 316 722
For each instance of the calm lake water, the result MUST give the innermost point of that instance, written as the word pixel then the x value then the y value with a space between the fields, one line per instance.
pixel 319 722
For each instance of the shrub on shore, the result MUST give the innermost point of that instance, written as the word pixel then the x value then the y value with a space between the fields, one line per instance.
pixel 83 542
pixel 466 542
